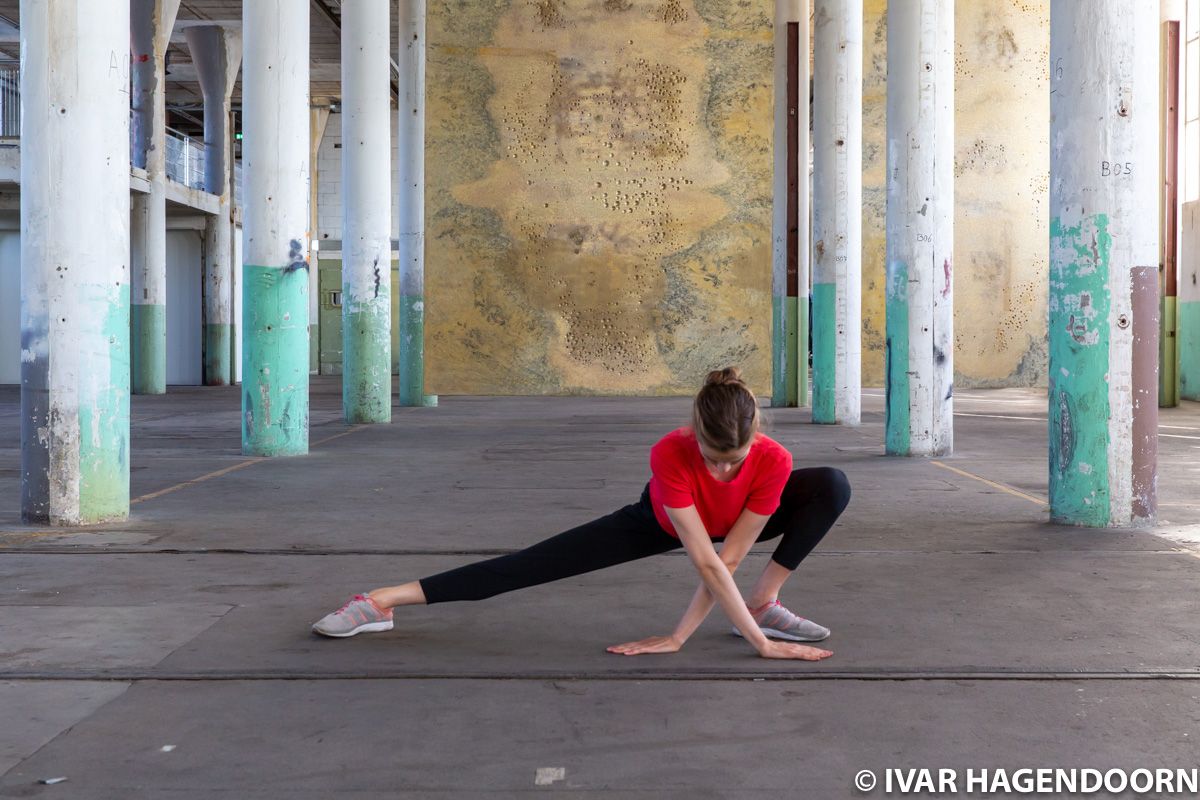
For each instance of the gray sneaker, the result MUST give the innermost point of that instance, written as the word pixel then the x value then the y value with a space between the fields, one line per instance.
pixel 360 615
pixel 776 622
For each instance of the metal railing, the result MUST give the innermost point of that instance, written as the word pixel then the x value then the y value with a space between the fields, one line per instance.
pixel 185 159
pixel 185 156
pixel 10 99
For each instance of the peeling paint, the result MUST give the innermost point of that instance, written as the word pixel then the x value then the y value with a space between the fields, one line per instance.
pixel 151 23
pixel 216 53
pixel 824 355
pixel 366 214
pixel 276 356
pixel 836 212
pixel 1189 350
pixel 149 348
pixel 1001 191
pixel 1079 358
pixel 1188 308
pixel 75 303
pixel 218 340
pixel 920 129
pixel 410 355
pixel 897 415
pixel 104 421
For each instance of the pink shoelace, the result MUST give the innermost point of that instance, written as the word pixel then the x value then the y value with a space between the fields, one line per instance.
pixel 754 612
pixel 354 600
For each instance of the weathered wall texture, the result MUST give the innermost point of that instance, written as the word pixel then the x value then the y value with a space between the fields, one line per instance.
pixel 1001 171
pixel 599 194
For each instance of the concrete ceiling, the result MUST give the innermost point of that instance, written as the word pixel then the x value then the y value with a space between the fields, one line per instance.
pixel 184 101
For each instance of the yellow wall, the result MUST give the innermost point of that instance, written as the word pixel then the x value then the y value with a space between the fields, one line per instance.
pixel 599 194
pixel 1001 173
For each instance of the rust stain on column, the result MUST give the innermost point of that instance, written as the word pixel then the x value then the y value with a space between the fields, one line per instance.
pixel 1145 390
pixel 793 166
pixel 1170 157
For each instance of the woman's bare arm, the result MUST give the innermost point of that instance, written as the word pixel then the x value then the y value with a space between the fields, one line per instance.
pixel 716 574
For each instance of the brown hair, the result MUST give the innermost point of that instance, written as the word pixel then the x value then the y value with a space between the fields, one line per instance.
pixel 725 414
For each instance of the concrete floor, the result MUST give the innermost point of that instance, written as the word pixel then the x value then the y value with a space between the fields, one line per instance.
pixel 968 633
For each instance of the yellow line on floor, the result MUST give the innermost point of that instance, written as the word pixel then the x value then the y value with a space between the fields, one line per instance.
pixel 354 429
pixel 194 481
pixel 234 468
pixel 1000 486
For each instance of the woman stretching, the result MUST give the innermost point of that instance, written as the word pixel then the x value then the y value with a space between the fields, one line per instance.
pixel 719 481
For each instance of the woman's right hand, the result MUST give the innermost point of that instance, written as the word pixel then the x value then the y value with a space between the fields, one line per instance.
pixel 802 652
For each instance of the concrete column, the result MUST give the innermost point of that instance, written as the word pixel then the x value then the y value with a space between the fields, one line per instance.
pixel 275 272
pixel 790 223
pixel 366 212
pixel 1168 354
pixel 151 22
pixel 410 168
pixel 920 228
pixel 1104 117
pixel 74 261
pixel 216 53
pixel 837 212
pixel 318 120
pixel 1189 302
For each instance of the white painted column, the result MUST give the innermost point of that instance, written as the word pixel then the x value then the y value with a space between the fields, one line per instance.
pixel 74 261
pixel 275 273
pixel 217 53
pixel 366 212
pixel 920 228
pixel 1104 121
pixel 318 120
pixel 837 212
pixel 790 229
pixel 410 170
pixel 151 24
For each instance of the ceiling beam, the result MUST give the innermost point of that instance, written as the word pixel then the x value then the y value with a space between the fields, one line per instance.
pixel 189 117
pixel 336 21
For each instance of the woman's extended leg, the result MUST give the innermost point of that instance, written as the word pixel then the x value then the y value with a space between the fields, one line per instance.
pixel 625 535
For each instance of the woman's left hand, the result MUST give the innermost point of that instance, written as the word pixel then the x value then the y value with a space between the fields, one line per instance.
pixel 655 644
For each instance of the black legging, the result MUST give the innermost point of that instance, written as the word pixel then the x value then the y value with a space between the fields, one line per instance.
pixel 811 501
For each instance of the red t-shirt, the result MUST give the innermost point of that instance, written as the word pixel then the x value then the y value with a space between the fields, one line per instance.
pixel 681 478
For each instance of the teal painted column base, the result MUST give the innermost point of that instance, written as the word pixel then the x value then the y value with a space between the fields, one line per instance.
pixel 1189 350
pixel 104 426
pixel 783 348
pixel 824 347
pixel 149 350
pixel 897 414
pixel 217 347
pixel 275 348
pixel 367 364
pixel 801 350
pixel 410 355
pixel 1079 410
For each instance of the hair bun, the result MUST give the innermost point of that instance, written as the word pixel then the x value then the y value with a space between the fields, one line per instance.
pixel 725 377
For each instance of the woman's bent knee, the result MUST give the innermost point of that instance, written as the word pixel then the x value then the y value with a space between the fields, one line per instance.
pixel 837 486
